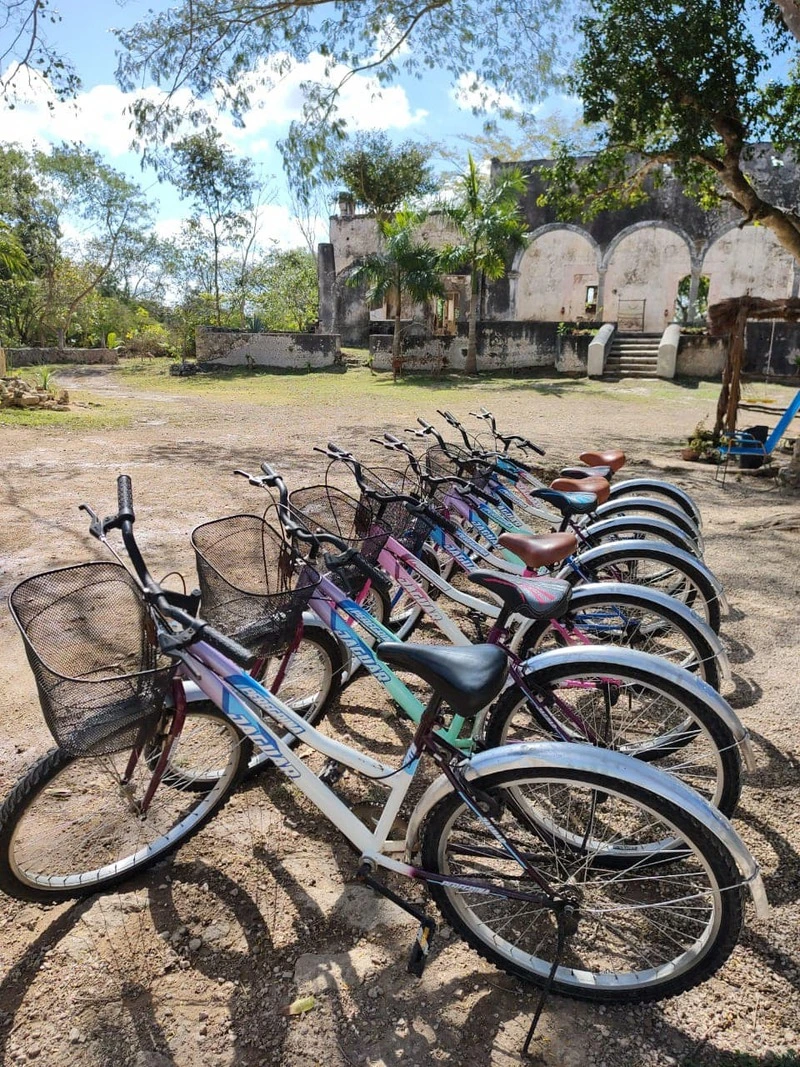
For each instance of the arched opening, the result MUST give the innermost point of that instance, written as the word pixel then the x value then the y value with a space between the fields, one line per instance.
pixel 688 311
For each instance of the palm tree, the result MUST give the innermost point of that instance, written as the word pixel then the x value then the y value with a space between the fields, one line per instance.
pixel 489 221
pixel 404 265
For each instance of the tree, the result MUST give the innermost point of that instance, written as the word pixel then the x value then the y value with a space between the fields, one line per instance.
pixel 80 186
pixel 487 216
pixel 222 188
pixel 233 51
pixel 686 90
pixel 405 265
pixel 379 175
pixel 284 284
pixel 25 46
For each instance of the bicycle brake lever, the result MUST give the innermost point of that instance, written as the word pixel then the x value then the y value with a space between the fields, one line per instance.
pixel 96 526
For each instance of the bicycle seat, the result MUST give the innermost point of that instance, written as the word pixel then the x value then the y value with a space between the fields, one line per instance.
pixel 613 458
pixel 598 486
pixel 587 472
pixel 467 678
pixel 540 550
pixel 535 598
pixel 568 503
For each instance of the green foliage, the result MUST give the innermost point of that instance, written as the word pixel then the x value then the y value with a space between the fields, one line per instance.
pixel 379 175
pixel 232 52
pixel 285 290
pixel 405 265
pixel 26 44
pixel 487 216
pixel 683 91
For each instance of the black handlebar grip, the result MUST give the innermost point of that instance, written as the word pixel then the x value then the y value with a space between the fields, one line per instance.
pixel 125 498
pixel 227 646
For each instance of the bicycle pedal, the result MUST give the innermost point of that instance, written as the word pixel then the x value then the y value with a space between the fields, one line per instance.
pixel 332 772
pixel 418 957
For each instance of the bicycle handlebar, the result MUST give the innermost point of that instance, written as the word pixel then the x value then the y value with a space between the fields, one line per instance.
pixel 168 604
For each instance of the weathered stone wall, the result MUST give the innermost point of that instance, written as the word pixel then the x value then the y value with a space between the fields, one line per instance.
pixel 37 357
pixel 770 349
pixel 240 348
pixel 501 346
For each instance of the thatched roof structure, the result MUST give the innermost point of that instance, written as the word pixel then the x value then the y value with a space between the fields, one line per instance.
pixel 728 318
pixel 722 316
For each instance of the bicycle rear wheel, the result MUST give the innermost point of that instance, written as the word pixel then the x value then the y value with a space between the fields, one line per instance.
pixel 72 825
pixel 631 709
pixel 653 928
pixel 653 566
pixel 630 617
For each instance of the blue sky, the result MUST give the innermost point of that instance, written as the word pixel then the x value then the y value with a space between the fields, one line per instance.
pixel 414 109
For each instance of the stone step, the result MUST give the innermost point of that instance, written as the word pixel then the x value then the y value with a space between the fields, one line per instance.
pixel 633 361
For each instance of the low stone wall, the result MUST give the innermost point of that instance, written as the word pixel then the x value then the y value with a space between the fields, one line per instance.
pixel 37 357
pixel 287 351
pixel 501 346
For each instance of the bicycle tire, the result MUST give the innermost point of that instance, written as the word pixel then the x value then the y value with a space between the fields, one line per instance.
pixel 684 579
pixel 660 509
pixel 641 527
pixel 627 618
pixel 654 487
pixel 642 714
pixel 80 806
pixel 603 960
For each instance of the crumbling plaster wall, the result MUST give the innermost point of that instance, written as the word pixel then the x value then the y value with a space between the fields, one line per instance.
pixel 240 348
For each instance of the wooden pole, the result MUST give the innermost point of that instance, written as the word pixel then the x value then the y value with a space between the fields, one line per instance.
pixel 737 361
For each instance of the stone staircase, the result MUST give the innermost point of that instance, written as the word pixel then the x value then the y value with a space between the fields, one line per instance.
pixel 633 355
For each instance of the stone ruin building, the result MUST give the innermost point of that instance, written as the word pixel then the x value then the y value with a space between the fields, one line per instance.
pixel 623 268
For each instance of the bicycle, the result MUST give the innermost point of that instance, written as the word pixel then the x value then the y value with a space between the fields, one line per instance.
pixel 527 850
pixel 651 564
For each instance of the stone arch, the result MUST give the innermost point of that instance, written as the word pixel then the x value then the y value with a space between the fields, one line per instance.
pixel 644 264
pixel 551 276
pixel 746 260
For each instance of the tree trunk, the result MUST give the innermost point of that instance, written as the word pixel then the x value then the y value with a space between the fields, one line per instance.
pixel 729 395
pixel 62 338
pixel 396 337
pixel 471 364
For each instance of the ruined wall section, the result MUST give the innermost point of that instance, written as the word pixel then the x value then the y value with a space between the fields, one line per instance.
pixel 218 347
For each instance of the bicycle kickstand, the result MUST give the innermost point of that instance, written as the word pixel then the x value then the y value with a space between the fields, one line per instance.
pixel 418 956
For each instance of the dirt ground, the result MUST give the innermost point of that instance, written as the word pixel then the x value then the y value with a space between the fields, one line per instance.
pixel 195 962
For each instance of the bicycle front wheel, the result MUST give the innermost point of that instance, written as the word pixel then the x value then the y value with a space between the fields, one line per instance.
pixel 655 927
pixel 74 826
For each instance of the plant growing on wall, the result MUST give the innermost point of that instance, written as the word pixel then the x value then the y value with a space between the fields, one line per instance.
pixel 404 266
pixel 487 215
pixel 381 176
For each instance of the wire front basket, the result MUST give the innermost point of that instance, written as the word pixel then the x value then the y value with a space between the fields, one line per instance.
pixel 248 585
pixel 412 531
pixel 326 509
pixel 91 644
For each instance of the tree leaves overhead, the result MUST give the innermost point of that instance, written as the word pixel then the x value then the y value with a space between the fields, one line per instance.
pixel 686 91
pixel 26 28
pixel 231 49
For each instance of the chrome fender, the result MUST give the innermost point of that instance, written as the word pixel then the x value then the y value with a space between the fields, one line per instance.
pixel 588 759
pixel 660 510
pixel 606 658
pixel 659 599
pixel 622 524
pixel 594 554
pixel 641 485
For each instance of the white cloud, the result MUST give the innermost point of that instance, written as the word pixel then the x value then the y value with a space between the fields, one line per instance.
pixel 363 102
pixel 472 92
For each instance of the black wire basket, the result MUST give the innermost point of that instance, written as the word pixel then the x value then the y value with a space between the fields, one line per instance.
pixel 91 644
pixel 248 582
pixel 327 509
pixel 412 531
